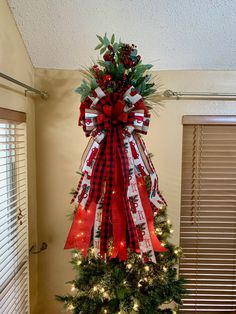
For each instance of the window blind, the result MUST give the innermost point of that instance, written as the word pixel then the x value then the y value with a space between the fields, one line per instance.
pixel 14 294
pixel 208 216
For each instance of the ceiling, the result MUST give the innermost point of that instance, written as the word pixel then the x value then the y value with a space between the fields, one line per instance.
pixel 171 34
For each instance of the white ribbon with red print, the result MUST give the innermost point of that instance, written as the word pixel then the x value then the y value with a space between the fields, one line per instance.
pixel 137 211
pixel 97 227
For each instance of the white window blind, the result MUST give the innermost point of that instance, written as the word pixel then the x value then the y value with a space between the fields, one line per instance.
pixel 14 294
pixel 208 215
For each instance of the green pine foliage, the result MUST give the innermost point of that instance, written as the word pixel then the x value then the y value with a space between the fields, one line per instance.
pixel 127 287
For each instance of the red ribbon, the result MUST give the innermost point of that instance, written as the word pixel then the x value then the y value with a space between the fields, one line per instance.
pixel 149 215
pixel 80 232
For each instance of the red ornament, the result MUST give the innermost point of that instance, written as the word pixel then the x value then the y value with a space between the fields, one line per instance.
pixel 106 77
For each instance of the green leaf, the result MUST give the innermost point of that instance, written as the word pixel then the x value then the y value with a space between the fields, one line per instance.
pixel 116 47
pixel 100 38
pixel 106 40
pixel 148 66
pixel 99 46
pixel 101 63
pixel 103 50
pixel 112 39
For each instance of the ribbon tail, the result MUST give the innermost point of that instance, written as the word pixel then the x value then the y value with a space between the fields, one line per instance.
pixel 149 216
pixel 118 214
pixel 108 171
pixel 80 231
pixel 124 161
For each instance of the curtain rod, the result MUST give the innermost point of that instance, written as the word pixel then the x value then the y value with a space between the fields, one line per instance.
pixel 206 95
pixel 43 94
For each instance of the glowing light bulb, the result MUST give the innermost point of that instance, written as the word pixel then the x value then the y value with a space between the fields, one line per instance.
pixel 79 263
pixel 73 288
pixel 176 251
pixel 105 295
pixel 139 285
pixel 102 290
pixel 71 307
pixel 135 307
pixel 95 288
pixel 80 221
pixel 105 311
pixel 171 230
pixel 129 266
pixel 160 232
pixel 165 269
pixel 168 221
pixel 147 268
pixel 162 244
pixel 124 282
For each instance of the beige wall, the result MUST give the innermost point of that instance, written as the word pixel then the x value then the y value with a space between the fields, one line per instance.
pixel 60 144
pixel 14 61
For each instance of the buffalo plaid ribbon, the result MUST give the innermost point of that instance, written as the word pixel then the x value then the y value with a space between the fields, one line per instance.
pixel 113 122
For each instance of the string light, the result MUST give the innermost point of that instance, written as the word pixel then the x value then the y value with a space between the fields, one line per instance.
pixel 73 288
pixel 171 230
pixel 106 295
pixel 79 263
pixel 124 282
pixel 102 290
pixel 70 307
pixel 165 269
pixel 95 288
pixel 147 268
pixel 105 311
pixel 135 307
pixel 139 285
pixel 129 266
pixel 163 244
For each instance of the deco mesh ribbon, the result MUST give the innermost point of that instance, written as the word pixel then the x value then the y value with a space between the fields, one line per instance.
pixel 112 195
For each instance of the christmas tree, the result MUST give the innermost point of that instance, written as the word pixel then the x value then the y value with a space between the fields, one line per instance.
pixel 123 260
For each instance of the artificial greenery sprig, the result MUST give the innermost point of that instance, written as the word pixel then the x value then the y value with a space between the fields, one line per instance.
pixel 121 65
